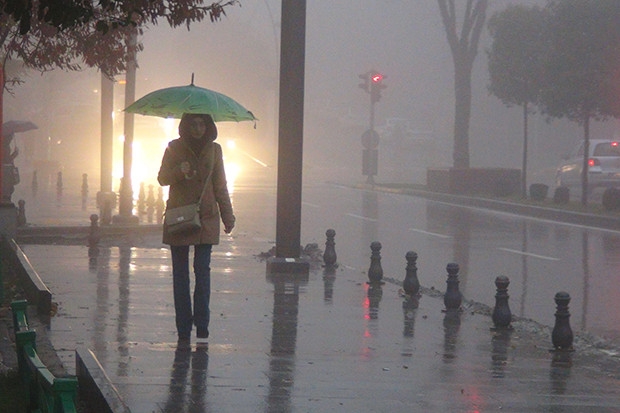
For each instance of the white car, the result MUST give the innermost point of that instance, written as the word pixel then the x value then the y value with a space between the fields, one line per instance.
pixel 603 165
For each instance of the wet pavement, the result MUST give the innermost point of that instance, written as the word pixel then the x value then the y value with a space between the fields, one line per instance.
pixel 284 343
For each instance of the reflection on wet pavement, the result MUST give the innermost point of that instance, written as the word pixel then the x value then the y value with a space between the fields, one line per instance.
pixel 332 342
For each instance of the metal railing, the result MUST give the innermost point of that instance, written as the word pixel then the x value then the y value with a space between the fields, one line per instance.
pixel 45 392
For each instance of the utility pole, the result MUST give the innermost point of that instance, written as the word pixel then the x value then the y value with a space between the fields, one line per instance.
pixel 290 140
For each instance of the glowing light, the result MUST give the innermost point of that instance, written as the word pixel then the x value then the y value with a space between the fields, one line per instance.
pixel 232 172
pixel 146 158
pixel 169 125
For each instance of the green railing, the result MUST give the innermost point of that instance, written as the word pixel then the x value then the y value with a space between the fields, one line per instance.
pixel 45 392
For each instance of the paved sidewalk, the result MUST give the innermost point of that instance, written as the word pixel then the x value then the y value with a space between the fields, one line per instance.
pixel 326 343
pixel 318 344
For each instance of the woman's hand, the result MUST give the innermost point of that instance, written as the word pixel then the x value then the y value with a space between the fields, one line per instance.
pixel 186 168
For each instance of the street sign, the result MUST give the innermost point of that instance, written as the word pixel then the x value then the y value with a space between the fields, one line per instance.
pixel 370 139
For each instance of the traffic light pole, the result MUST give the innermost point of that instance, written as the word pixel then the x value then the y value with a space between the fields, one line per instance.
pixel 372 154
pixel 373 83
pixel 372 115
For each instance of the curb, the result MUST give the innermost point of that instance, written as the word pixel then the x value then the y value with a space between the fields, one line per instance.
pixel 95 385
pixel 35 289
pixel 570 217
pixel 95 388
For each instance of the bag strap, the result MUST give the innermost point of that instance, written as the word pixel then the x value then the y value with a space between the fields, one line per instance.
pixel 204 188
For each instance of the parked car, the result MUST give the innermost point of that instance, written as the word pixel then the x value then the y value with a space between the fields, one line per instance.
pixel 603 165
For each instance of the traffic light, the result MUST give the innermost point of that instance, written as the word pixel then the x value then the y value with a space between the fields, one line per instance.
pixel 366 82
pixel 376 84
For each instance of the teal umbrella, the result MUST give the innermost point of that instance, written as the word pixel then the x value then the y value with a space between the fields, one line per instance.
pixel 173 102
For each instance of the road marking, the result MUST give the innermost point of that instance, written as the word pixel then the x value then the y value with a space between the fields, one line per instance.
pixel 529 254
pixel 258 161
pixel 434 234
pixel 311 205
pixel 362 217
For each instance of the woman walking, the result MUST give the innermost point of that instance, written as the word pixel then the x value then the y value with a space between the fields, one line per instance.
pixel 193 167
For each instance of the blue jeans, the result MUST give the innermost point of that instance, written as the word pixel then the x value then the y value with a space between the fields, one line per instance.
pixel 181 288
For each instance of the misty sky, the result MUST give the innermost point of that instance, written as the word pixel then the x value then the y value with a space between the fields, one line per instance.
pixel 239 56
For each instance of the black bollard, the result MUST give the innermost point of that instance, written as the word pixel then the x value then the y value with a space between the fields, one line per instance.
pixel 21 213
pixel 329 256
pixel 84 185
pixel 59 184
pixel 150 205
pixel 562 334
pixel 35 183
pixel 141 200
pixel 502 317
pixel 160 205
pixel 411 284
pixel 375 272
pixel 452 298
pixel 94 233
pixel 84 191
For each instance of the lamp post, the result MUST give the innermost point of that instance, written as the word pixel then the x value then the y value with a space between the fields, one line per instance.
pixel 125 206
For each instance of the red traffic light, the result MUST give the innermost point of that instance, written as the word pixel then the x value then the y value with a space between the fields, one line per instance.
pixel 376 85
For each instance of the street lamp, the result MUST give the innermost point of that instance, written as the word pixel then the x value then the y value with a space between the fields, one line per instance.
pixel 125 206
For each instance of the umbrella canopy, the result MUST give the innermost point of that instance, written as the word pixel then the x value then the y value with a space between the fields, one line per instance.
pixel 173 102
pixel 14 126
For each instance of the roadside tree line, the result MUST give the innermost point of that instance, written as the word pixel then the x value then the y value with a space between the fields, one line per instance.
pixel 562 60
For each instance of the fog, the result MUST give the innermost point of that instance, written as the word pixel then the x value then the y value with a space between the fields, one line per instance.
pixel 239 56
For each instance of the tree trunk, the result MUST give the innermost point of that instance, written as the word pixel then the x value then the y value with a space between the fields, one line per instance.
pixel 464 47
pixel 462 112
pixel 524 164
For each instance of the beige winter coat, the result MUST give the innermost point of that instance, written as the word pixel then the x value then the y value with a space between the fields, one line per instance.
pixel 214 204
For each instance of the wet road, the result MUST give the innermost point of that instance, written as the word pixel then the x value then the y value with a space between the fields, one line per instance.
pixel 539 257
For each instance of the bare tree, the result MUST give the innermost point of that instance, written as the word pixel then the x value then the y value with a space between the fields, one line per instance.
pixel 464 47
